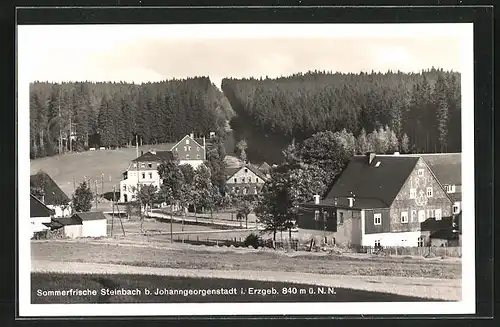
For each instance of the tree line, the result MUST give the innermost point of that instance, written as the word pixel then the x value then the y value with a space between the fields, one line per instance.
pixel 114 114
pixel 425 106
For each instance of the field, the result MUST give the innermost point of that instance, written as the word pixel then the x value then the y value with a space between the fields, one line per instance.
pixel 147 252
pixel 92 164
pixel 104 286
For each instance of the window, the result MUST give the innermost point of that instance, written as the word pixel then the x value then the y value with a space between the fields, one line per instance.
pixel 176 149
pixel 404 217
pixel 420 172
pixel 198 156
pixel 150 165
pixel 377 164
pixel 456 208
pixel 377 243
pixel 197 148
pixel 413 215
pixel 187 141
pixel 450 188
pixel 249 179
pixel 255 191
pixel 124 187
pixel 150 175
pixel 430 213
pixel 246 170
pixel 429 192
pixel 413 193
pixel 189 148
pixel 187 156
pixel 325 215
pixel 341 217
pixel 236 180
pixel 143 175
pixel 185 148
pixel 377 219
pixel 421 216
pixel 143 165
pixel 420 242
pixel 245 189
pixel 438 214
pixel 243 179
pixel 316 215
pixel 135 165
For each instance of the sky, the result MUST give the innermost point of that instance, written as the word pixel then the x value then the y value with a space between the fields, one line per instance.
pixel 142 53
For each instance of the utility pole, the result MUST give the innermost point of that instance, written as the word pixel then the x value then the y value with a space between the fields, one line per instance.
pixel 102 184
pixel 113 215
pixel 95 182
pixel 136 147
pixel 74 184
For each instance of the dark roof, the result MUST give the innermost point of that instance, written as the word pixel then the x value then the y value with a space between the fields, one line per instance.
pixel 67 221
pixel 446 166
pixel 157 156
pixel 199 141
pixel 53 195
pixel 91 215
pixel 38 209
pixel 231 171
pixel 372 187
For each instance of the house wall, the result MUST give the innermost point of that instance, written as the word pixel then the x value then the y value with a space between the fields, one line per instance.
pixel 247 177
pixel 73 231
pixel 143 177
pixel 404 203
pixel 252 188
pixel 371 228
pixel 37 224
pixel 349 230
pixel 306 219
pixel 392 239
pixel 188 149
pixel 94 228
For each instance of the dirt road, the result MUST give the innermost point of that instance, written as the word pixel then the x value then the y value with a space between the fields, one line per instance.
pixel 440 289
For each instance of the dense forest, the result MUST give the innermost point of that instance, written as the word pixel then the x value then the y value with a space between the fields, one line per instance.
pixel 113 114
pixel 421 110
pixel 425 106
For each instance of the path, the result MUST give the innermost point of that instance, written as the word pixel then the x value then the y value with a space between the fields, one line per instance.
pixel 433 288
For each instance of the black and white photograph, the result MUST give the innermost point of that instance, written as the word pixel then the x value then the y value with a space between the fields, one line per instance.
pixel 251 169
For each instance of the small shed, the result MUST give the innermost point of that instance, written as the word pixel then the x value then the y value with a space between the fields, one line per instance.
pixel 94 223
pixel 82 224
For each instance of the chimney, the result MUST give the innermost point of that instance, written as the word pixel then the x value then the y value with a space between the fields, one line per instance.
pixel 396 153
pixel 316 199
pixel 191 135
pixel 371 156
pixel 351 202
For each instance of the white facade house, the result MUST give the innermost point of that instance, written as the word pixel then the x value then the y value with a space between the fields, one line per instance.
pixel 144 169
pixel 61 211
pixel 50 194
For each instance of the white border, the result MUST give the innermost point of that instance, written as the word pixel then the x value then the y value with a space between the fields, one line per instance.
pixel 466 306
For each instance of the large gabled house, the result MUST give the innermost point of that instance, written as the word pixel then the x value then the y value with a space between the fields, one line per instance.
pixel 143 170
pixel 48 192
pixel 386 200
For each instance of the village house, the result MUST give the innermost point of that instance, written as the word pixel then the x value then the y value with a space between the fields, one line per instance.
pixel 246 179
pixel 382 200
pixel 144 169
pixel 40 215
pixel 81 224
pixel 49 193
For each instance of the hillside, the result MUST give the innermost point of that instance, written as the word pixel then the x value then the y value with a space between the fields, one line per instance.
pixel 425 106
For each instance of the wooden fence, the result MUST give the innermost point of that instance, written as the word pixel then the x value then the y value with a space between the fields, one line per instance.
pixel 441 251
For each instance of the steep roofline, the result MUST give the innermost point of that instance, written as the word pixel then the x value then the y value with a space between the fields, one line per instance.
pixel 437 180
pixel 52 211
pixel 192 138
pixel 406 181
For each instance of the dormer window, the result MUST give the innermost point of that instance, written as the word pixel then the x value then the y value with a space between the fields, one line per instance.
pixel 450 188
pixel 377 164
pixel 420 172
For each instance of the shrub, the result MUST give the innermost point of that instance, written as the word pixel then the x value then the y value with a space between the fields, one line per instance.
pixel 253 240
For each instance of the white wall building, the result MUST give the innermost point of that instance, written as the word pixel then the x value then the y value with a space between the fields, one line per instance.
pixel 40 215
